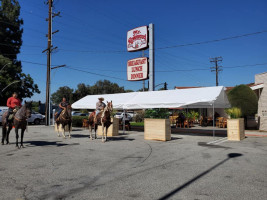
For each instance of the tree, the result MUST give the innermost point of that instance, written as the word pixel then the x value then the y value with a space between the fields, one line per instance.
pixel 100 87
pixel 141 90
pixel 65 91
pixel 81 91
pixel 10 43
pixel 106 87
pixel 244 98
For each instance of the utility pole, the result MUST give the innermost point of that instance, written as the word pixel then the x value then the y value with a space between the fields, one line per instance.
pixel 165 86
pixel 143 55
pixel 217 68
pixel 151 58
pixel 48 51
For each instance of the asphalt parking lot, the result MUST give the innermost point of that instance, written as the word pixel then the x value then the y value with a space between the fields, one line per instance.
pixel 129 167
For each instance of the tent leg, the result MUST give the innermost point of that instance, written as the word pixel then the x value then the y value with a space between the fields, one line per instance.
pixel 213 120
pixel 123 121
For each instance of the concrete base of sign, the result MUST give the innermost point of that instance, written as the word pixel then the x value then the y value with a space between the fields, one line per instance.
pixel 157 129
pixel 235 129
pixel 113 130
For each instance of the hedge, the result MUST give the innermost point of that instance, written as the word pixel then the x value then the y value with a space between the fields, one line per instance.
pixel 77 121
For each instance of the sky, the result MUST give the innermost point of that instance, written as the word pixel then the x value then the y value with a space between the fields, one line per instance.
pixel 92 41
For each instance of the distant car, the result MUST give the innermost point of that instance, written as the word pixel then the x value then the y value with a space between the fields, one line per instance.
pixel 120 116
pixel 36 118
pixel 80 114
pixel 3 109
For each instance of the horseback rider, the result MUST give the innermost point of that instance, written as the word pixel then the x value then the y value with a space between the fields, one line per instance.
pixel 13 104
pixel 62 106
pixel 100 105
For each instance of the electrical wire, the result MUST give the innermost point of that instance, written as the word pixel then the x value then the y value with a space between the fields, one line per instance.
pixel 211 41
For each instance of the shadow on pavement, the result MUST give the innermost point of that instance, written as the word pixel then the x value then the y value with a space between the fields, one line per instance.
pixel 79 136
pixel 171 193
pixel 120 138
pixel 45 143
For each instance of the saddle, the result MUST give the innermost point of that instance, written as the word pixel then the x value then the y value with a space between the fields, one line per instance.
pixel 57 118
pixel 97 119
pixel 12 115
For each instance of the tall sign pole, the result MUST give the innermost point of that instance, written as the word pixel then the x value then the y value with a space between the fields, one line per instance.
pixel 47 103
pixel 151 58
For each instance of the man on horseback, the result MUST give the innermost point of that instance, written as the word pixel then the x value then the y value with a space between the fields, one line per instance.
pixel 62 106
pixel 13 104
pixel 100 105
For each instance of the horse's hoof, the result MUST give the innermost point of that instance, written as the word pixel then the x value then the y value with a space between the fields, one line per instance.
pixel 21 146
pixel 2 143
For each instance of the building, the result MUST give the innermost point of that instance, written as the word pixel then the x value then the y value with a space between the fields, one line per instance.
pixel 260 88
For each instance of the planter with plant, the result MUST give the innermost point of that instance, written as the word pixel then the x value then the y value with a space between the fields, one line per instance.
pixel 157 125
pixel 235 125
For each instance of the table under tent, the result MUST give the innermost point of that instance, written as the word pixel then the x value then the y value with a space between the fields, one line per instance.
pixel 204 97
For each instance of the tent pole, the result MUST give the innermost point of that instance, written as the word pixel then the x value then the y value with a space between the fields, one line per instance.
pixel 123 119
pixel 213 119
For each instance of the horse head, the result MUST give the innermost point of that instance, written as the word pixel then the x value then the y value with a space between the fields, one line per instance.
pixel 28 106
pixel 69 109
pixel 109 106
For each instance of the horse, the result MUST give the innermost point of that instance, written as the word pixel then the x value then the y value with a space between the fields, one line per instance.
pixel 103 119
pixel 64 119
pixel 19 121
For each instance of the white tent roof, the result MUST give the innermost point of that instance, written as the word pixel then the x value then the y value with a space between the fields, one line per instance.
pixel 203 97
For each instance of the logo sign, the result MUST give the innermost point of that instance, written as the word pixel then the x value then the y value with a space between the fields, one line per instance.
pixel 137 39
pixel 137 69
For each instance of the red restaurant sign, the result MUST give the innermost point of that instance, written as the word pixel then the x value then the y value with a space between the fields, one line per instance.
pixel 137 39
pixel 137 69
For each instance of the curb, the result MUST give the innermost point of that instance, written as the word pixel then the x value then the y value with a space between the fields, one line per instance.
pixel 255 135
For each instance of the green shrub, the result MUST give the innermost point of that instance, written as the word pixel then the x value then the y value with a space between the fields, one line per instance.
pixel 243 97
pixel 77 121
pixel 157 113
pixel 139 117
pixel 234 112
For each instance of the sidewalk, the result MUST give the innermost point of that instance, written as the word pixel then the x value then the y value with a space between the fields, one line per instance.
pixel 255 133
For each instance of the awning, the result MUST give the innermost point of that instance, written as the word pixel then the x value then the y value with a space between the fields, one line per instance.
pixel 205 97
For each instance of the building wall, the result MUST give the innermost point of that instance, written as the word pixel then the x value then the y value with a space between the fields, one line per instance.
pixel 261 78
pixel 262 109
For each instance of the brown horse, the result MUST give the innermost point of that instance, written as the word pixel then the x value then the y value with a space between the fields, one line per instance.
pixel 20 121
pixel 64 119
pixel 103 118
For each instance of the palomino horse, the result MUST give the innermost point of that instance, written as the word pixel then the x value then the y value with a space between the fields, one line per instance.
pixel 64 119
pixel 20 121
pixel 103 119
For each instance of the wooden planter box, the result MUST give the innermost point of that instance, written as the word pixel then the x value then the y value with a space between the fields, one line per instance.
pixel 235 129
pixel 60 128
pixel 113 130
pixel 157 129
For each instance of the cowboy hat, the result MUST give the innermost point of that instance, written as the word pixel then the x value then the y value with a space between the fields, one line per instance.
pixel 101 98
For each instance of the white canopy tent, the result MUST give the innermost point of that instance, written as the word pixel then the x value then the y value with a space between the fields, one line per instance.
pixel 206 97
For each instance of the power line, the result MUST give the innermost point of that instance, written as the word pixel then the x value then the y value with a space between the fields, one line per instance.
pixel 211 41
pixel 159 48
pixel 178 70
